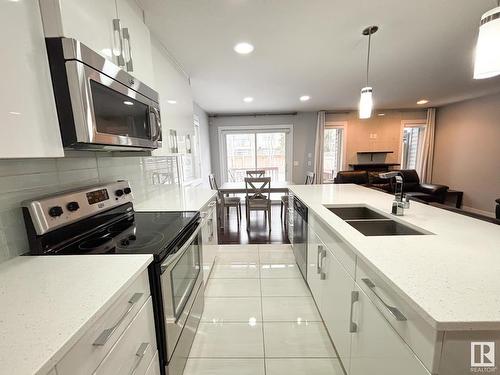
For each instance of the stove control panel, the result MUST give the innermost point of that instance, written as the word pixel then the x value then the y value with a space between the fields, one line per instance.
pixel 49 213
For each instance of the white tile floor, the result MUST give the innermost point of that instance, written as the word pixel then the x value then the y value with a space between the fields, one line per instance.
pixel 260 318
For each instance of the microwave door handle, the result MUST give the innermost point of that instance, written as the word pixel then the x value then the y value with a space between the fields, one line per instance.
pixel 157 123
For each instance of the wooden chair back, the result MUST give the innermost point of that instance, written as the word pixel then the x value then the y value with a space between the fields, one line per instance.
pixel 257 173
pixel 257 188
pixel 310 177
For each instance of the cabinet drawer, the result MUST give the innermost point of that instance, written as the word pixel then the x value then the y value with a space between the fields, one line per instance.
pixel 376 348
pixel 337 246
pixel 89 351
pixel 135 349
pixel 424 340
pixel 154 366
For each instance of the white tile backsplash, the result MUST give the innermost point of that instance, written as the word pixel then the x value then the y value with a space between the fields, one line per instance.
pixel 22 179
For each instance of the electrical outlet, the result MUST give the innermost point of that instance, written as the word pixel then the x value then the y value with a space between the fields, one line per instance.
pixel 295 163
pixel 309 163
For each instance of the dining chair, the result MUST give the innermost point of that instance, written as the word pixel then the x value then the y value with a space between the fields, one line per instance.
pixel 225 202
pixel 258 197
pixel 310 178
pixel 256 173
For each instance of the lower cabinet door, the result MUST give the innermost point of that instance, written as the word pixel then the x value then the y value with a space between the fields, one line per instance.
pixel 376 348
pixel 314 252
pixel 337 286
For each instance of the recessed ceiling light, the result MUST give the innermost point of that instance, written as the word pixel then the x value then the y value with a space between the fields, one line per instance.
pixel 422 101
pixel 304 98
pixel 381 114
pixel 126 102
pixel 15 113
pixel 244 48
pixel 171 101
pixel 248 99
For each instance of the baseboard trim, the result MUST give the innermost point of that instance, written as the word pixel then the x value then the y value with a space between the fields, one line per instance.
pixel 480 212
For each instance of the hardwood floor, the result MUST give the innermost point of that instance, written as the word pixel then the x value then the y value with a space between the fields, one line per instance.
pixel 259 231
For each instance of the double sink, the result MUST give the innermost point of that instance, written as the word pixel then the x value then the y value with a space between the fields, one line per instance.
pixel 372 223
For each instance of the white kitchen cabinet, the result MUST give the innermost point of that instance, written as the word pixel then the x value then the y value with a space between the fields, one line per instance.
pixel 93 22
pixel 131 18
pixel 331 287
pixel 28 118
pixel 209 237
pixel 336 290
pixel 176 100
pixel 376 348
pixel 315 253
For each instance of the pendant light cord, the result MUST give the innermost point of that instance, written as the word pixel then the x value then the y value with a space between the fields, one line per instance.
pixel 368 57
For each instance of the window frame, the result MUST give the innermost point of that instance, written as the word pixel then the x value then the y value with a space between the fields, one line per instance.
pixel 417 123
pixel 284 128
pixel 337 125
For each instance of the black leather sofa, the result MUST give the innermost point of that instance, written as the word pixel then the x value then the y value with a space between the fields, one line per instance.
pixel 412 186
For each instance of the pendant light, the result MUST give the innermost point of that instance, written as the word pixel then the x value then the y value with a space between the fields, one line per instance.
pixel 366 100
pixel 488 45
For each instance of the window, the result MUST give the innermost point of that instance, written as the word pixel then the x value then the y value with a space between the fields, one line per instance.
pixel 333 150
pixel 268 148
pixel 413 139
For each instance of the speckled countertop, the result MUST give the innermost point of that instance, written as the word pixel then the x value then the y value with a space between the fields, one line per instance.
pixel 451 278
pixel 47 303
pixel 176 199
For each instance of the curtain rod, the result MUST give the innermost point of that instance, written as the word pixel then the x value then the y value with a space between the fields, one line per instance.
pixel 215 115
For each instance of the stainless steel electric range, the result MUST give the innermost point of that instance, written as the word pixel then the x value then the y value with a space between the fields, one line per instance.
pixel 101 220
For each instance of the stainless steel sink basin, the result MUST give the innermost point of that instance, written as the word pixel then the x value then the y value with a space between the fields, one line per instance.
pixel 356 213
pixel 372 223
pixel 385 227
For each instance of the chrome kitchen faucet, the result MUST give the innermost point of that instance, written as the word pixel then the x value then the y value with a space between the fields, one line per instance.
pixel 400 201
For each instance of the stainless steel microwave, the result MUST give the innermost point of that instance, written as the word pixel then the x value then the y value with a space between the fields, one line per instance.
pixel 100 106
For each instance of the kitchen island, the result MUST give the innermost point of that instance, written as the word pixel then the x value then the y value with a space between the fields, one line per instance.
pixel 438 291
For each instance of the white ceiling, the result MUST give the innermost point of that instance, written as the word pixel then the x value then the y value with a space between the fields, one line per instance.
pixel 424 49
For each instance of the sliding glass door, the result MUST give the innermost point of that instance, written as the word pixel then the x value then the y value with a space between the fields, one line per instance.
pixel 268 149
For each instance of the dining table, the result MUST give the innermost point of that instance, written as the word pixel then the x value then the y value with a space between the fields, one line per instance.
pixel 239 187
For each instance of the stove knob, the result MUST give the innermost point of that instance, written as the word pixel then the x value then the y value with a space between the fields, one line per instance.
pixel 132 237
pixel 125 242
pixel 55 211
pixel 72 206
pixel 119 192
pixel 127 190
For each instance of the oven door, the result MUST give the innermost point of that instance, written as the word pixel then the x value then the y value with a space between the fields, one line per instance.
pixel 181 277
pixel 108 113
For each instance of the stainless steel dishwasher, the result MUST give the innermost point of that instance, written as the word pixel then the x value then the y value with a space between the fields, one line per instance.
pixel 299 242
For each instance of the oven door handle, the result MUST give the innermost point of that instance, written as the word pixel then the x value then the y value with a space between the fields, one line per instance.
pixel 174 257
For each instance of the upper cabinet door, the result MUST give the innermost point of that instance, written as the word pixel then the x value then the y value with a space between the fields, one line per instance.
pixel 112 28
pixel 89 21
pixel 28 120
pixel 176 100
pixel 136 41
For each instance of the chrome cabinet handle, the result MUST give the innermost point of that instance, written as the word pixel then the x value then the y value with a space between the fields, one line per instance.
pixel 127 50
pixel 117 42
pixel 394 311
pixel 141 352
pixel 321 255
pixel 211 225
pixel 106 334
pixel 353 327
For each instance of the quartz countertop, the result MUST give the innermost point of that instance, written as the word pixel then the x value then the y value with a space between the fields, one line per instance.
pixel 48 302
pixel 451 278
pixel 176 198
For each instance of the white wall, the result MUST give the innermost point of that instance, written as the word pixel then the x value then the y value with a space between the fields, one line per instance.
pixel 467 150
pixel 304 133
